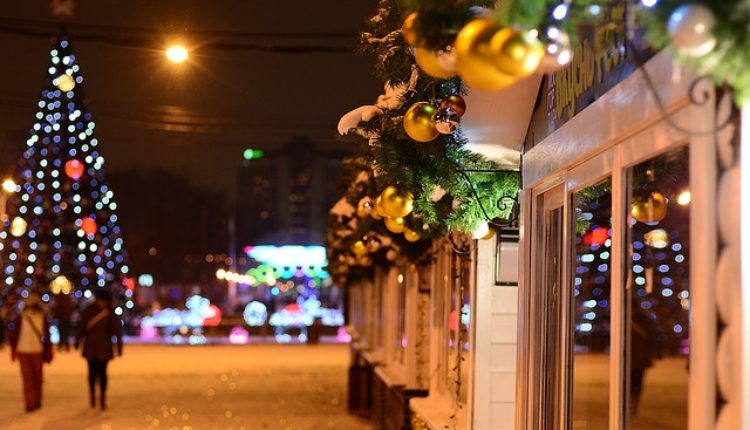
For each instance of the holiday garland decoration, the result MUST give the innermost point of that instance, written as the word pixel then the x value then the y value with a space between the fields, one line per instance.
pixel 494 49
pixel 412 135
pixel 62 234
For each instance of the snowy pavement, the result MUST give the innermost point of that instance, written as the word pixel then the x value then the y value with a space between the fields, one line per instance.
pixel 284 387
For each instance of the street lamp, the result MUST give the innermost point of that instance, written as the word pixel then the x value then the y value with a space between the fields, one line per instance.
pixel 9 187
pixel 176 53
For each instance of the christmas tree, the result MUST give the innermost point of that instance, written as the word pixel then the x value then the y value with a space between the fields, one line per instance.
pixel 61 232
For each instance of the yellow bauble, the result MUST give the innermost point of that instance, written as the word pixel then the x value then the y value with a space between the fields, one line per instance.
pixel 476 59
pixel 395 225
pixel 650 210
pixel 428 62
pixel 518 53
pixel 411 236
pixel 489 234
pixel 65 82
pixel 364 207
pixel 407 30
pixel 379 210
pixel 359 248
pixel 419 122
pixel 396 203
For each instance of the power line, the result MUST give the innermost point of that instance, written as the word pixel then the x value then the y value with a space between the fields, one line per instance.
pixel 145 37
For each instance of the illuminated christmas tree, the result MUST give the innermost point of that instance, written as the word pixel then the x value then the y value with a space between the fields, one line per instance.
pixel 61 232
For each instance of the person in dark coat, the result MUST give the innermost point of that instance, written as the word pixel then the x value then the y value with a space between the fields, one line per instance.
pixel 62 313
pixel 98 325
pixel 644 351
pixel 30 344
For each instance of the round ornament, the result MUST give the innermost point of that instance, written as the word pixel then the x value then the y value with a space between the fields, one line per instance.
pixel 74 169
pixel 557 53
pixel 447 120
pixel 690 28
pixel 455 102
pixel 395 225
pixel 407 29
pixel 489 234
pixel 364 207
pixel 430 63
pixel 65 82
pixel 411 236
pixel 396 203
pixel 481 230
pixel 476 59
pixel 359 248
pixel 518 53
pixel 379 208
pixel 18 227
pixel 650 210
pixel 419 122
pixel 88 226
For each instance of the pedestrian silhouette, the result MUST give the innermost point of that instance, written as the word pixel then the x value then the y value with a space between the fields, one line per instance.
pixel 62 313
pixel 97 327
pixel 644 348
pixel 30 345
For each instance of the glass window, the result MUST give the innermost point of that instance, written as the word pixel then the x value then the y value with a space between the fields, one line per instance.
pixel 658 293
pixel 590 345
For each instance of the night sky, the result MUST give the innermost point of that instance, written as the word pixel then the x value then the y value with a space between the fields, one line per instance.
pixel 193 120
pixel 173 135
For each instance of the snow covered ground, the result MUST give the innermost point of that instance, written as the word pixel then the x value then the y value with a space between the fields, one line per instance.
pixel 222 387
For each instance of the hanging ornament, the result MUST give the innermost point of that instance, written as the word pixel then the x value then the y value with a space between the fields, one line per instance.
pixel 411 236
pixel 18 227
pixel 359 248
pixel 557 52
pixel 518 52
pixel 691 27
pixel 65 82
pixel 447 120
pixel 74 169
pixel 455 102
pixel 364 207
pixel 489 234
pixel 396 203
pixel 476 59
pixel 650 210
pixel 419 122
pixel 407 29
pixel 395 225
pixel 429 62
pixel 481 230
pixel 88 226
pixel 379 209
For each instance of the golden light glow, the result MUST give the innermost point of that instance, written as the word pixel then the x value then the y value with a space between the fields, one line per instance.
pixel 18 227
pixel 65 82
pixel 657 238
pixel 684 198
pixel 176 53
pixel 9 186
pixel 61 285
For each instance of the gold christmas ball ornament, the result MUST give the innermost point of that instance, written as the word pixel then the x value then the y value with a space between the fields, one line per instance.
pixel 489 235
pixel 650 210
pixel 396 203
pixel 447 120
pixel 379 210
pixel 364 207
pixel 407 29
pixel 455 102
pixel 395 225
pixel 411 236
pixel 65 82
pixel 419 122
pixel 359 248
pixel 518 52
pixel 430 63
pixel 476 58
pixel 482 229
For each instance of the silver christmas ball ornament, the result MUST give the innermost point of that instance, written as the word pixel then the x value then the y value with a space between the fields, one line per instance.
pixel 447 120
pixel 690 28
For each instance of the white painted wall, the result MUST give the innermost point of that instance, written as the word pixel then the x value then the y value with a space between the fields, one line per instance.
pixel 495 315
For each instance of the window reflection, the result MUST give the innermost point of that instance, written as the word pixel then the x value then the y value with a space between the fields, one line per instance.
pixel 591 307
pixel 658 299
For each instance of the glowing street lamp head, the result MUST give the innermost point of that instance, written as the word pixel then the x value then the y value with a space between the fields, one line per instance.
pixel 176 53
pixel 9 186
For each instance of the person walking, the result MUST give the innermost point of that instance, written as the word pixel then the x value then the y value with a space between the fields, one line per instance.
pixel 30 345
pixel 62 312
pixel 98 325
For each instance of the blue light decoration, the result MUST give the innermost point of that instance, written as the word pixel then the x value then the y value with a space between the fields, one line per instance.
pixel 61 181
